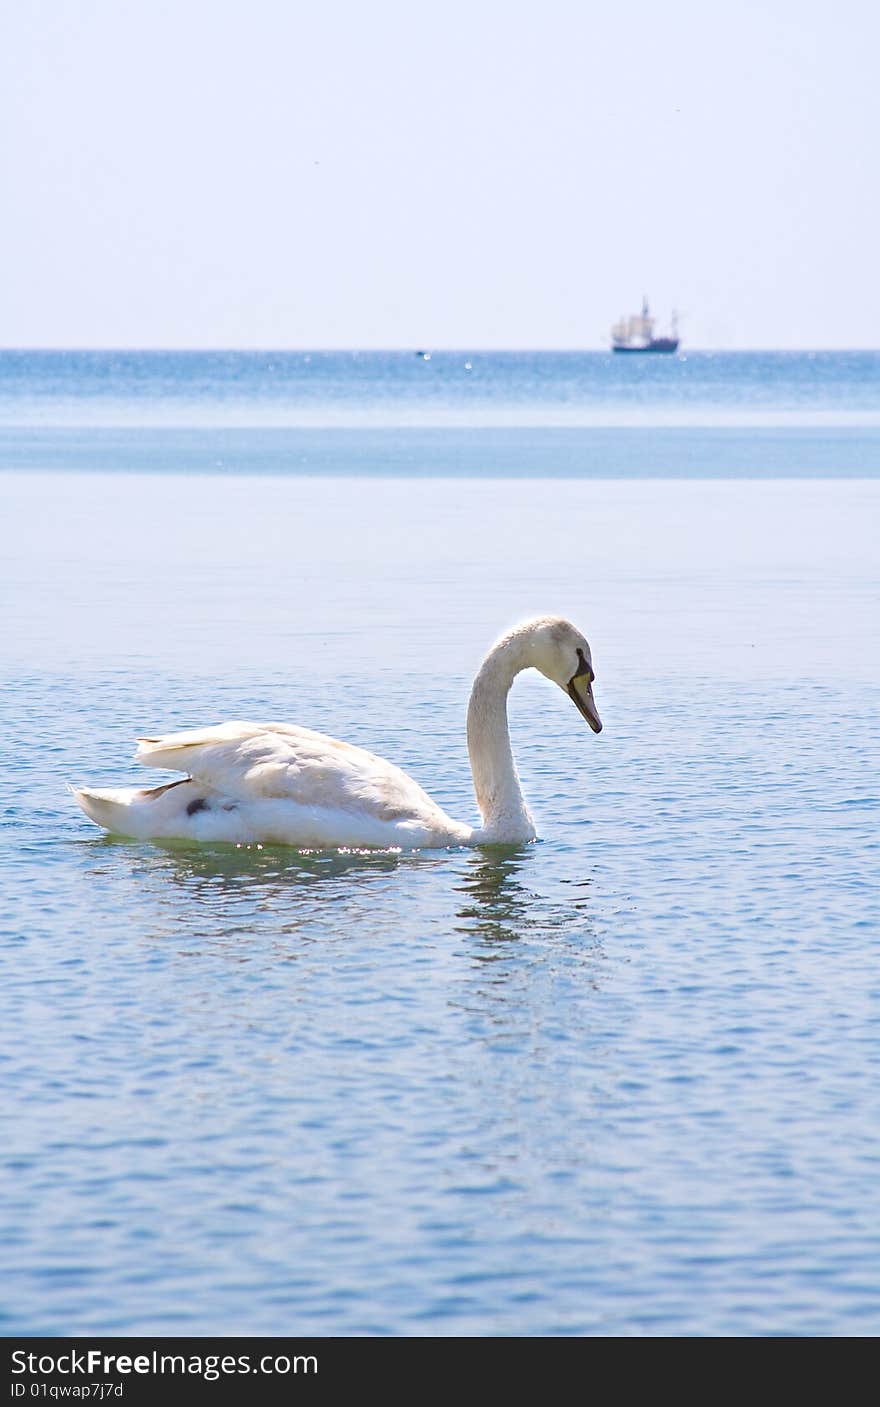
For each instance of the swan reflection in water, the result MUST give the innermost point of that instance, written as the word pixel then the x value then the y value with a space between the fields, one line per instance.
pixel 532 952
pixel 498 897
pixel 497 903
pixel 501 908
pixel 227 892
pixel 278 867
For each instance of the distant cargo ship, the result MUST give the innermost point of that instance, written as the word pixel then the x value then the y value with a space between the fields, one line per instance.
pixel 636 334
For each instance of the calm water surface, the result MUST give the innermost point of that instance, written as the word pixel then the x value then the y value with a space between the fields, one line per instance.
pixel 624 1081
pixel 459 414
pixel 450 388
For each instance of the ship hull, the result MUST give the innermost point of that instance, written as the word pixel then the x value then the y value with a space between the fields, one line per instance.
pixel 658 344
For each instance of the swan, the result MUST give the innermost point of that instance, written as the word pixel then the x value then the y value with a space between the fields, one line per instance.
pixel 281 784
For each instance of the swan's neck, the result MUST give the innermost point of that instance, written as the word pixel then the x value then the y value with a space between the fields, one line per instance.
pixel 499 795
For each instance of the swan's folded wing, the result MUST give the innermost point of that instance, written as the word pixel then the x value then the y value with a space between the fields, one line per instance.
pixel 277 760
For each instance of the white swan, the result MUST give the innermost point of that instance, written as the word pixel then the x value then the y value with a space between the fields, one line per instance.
pixel 281 784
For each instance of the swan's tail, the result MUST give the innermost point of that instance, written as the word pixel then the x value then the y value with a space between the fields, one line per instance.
pixel 134 811
pixel 110 807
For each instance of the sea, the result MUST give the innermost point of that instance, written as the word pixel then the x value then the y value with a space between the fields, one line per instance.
pixel 624 1081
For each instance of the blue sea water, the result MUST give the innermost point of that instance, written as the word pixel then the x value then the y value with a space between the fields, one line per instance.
pixel 620 1082
pixel 521 414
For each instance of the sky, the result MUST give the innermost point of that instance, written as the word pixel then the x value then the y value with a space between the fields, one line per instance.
pixel 471 174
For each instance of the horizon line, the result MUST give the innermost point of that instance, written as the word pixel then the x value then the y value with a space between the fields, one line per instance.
pixel 412 349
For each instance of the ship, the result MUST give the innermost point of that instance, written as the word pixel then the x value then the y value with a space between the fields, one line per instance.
pixel 636 334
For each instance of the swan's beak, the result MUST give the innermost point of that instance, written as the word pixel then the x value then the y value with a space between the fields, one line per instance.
pixel 580 690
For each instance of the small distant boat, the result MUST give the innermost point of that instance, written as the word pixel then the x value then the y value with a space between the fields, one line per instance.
pixel 636 334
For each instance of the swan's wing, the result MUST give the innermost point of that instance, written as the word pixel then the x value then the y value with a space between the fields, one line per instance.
pixel 248 761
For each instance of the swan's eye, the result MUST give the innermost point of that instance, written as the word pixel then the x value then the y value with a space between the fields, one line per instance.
pixel 583 668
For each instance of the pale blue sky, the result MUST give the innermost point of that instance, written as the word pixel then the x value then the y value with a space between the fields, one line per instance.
pixel 470 174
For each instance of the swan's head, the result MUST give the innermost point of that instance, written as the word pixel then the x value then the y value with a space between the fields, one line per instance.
pixel 563 654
